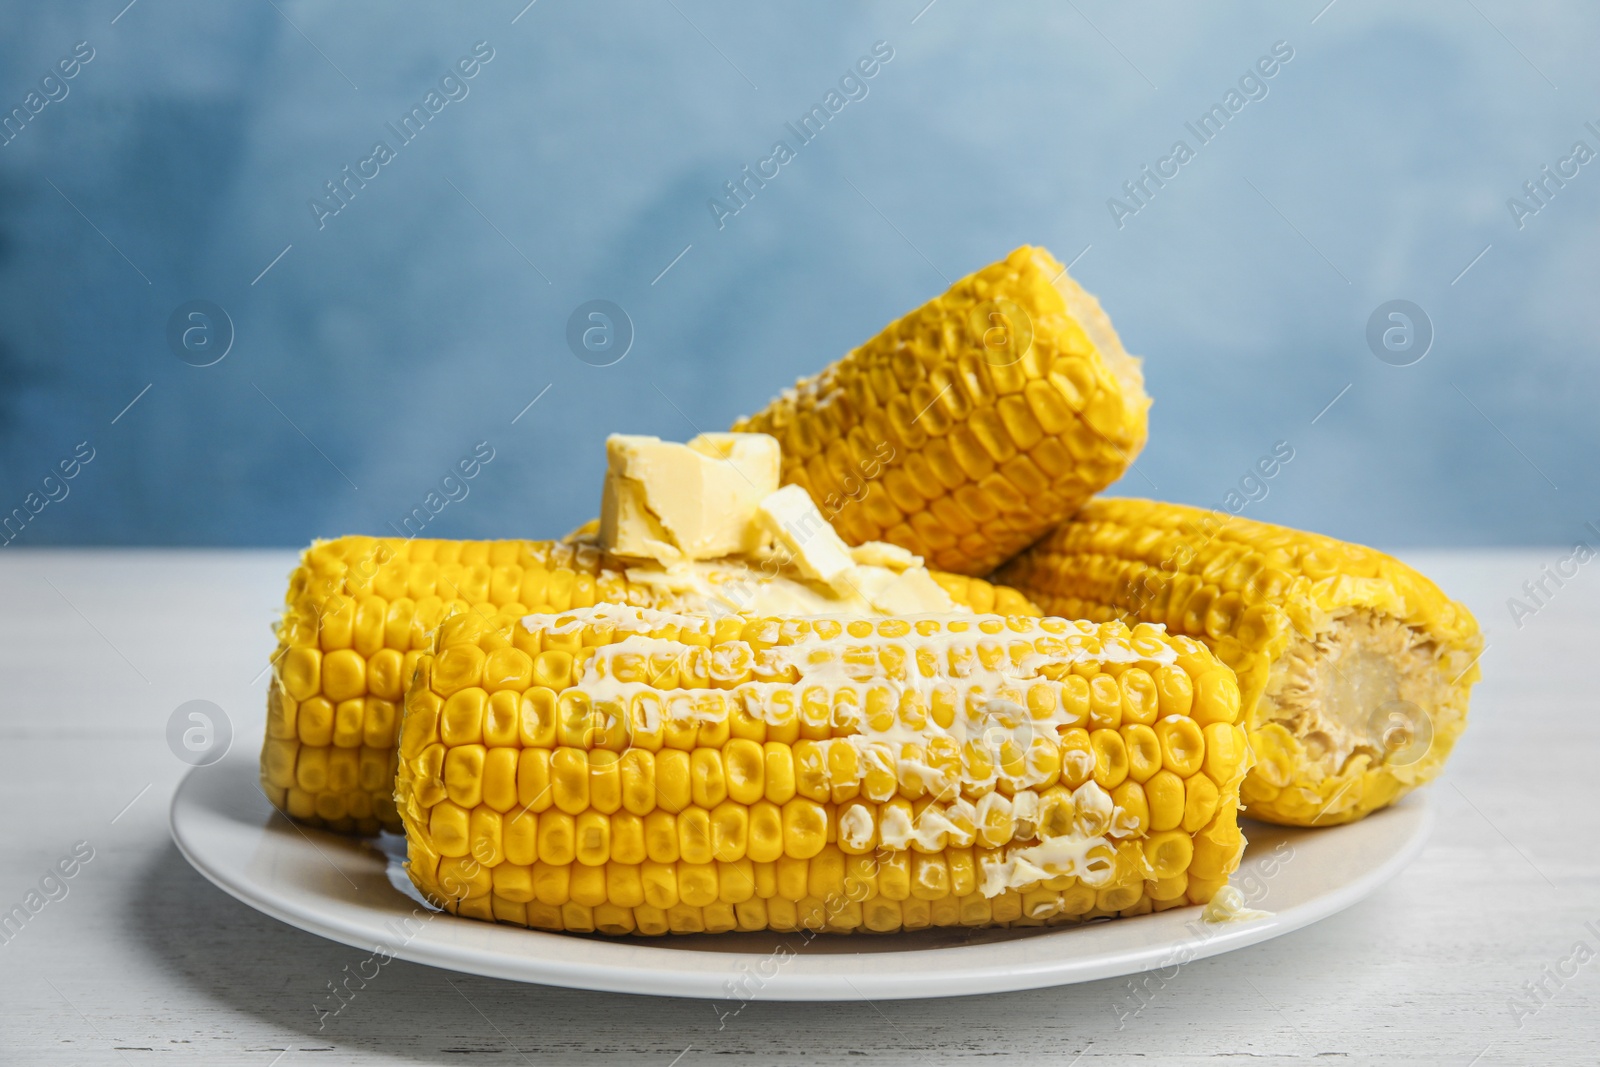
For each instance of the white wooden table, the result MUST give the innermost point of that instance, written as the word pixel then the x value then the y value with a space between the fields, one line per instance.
pixel 143 961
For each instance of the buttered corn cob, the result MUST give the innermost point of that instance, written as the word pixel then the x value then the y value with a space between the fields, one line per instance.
pixel 971 426
pixel 360 612
pixel 1354 668
pixel 624 770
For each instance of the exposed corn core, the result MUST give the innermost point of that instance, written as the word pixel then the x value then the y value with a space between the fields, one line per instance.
pixel 624 770
pixel 360 612
pixel 971 426
pixel 1355 669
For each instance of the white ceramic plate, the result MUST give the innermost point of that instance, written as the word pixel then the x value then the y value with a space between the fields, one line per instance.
pixel 356 893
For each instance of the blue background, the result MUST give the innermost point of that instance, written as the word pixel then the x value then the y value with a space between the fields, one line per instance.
pixel 426 315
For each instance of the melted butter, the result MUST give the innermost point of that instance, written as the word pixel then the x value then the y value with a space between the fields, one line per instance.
pixel 951 657
pixel 770 587
pixel 1228 907
pixel 855 826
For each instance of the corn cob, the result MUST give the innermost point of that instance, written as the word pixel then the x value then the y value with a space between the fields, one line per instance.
pixel 971 426
pixel 623 770
pixel 1354 668
pixel 360 612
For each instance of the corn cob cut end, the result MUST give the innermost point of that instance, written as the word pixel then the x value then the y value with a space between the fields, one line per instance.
pixel 1355 669
pixel 969 427
pixel 632 771
pixel 1352 718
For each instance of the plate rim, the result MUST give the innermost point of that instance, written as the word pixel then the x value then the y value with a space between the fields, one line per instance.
pixel 809 978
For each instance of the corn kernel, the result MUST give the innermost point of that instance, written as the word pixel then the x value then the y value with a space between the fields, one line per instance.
pixel 1182 745
pixel 1199 803
pixel 1216 697
pixel 461 720
pixel 463 774
pixel 1226 748
pixel 1164 793
pixel 1110 758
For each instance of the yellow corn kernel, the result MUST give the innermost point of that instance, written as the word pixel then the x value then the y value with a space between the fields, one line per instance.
pixel 1078 757
pixel 694 835
pixel 449 827
pixel 592 831
pixel 1226 749
pixel 569 779
pixel 1164 794
pixel 538 712
pixel 708 785
pixel 486 827
pixel 588 889
pixel 502 718
pixel 557 838
pixel 627 838
pixel 520 838
pixel 729 829
pixel 843 771
pixel 673 779
pixel 605 781
pixel 348 716
pixel 792 873
pixel 507 669
pixel 301 672
pixel 661 836
pixel 1216 697
pixel 1182 745
pixel 1169 854
pixel 805 825
pixel 463 774
pixel 637 774
pixel 533 779
pixel 1110 758
pixel 1140 698
pixel 553 669
pixel 500 779
pixel 1199 803
pixel 344 675
pixel 457 667
pixel 1144 751
pixel 461 720
pixel 766 832
pixel 744 770
pixel 811 770
pixel 1105 703
pixel 315 720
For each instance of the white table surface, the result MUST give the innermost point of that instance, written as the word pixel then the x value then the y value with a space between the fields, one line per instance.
pixel 144 962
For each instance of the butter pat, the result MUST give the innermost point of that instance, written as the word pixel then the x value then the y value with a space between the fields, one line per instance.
pixel 672 502
pixel 805 538
pixel 883 554
pixel 909 592
pixel 1227 906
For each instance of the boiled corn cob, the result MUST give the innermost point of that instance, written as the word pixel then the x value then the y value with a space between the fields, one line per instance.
pixel 360 612
pixel 971 426
pixel 1354 668
pixel 623 770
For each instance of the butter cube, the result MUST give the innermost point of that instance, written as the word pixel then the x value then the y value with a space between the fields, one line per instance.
pixel 670 502
pixel 810 543
pixel 909 592
pixel 883 554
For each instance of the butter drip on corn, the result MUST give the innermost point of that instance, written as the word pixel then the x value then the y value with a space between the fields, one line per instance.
pixel 632 770
pixel 1355 669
